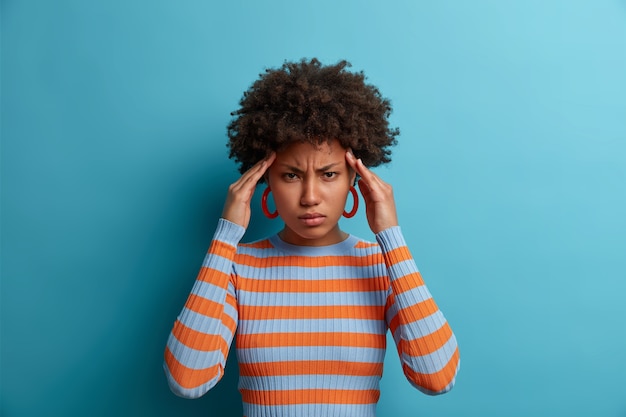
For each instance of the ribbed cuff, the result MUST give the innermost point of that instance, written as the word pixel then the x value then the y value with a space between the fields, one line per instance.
pixel 390 239
pixel 228 232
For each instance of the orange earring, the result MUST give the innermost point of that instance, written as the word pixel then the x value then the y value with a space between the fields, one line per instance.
pixel 355 206
pixel 267 213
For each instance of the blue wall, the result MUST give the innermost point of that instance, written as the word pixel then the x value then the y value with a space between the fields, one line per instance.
pixel 510 181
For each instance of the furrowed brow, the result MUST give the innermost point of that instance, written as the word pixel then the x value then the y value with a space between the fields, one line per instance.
pixel 297 170
pixel 292 168
pixel 328 167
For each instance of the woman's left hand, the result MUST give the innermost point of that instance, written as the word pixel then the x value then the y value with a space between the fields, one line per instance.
pixel 378 195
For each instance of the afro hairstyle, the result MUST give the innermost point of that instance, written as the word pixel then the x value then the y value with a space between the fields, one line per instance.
pixel 306 101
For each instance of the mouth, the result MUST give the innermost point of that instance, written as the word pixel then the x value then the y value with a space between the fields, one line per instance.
pixel 311 216
pixel 312 219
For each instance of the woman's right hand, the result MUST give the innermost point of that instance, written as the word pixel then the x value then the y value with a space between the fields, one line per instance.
pixel 237 205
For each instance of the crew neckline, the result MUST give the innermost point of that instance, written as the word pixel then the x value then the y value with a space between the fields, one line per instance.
pixel 334 249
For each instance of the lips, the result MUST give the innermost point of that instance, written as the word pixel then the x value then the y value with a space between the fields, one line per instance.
pixel 312 219
pixel 310 216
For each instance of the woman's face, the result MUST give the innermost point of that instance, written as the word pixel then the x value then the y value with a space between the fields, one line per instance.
pixel 310 185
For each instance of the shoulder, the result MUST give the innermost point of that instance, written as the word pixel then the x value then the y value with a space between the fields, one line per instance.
pixel 257 247
pixel 364 247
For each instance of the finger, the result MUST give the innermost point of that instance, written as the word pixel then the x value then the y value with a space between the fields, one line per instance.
pixel 258 169
pixel 358 165
pixel 362 171
pixel 254 174
pixel 261 167
pixel 370 179
pixel 352 161
pixel 365 191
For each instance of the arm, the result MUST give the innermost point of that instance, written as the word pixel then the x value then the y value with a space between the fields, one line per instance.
pixel 426 345
pixel 198 344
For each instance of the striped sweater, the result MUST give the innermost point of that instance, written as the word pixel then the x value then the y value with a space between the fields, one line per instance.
pixel 311 325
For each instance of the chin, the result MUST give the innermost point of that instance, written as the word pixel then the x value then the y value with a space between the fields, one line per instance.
pixel 312 236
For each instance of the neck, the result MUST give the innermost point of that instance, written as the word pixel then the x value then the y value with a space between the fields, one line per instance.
pixel 334 236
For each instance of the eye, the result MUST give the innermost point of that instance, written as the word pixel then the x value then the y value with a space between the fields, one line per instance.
pixel 290 176
pixel 330 174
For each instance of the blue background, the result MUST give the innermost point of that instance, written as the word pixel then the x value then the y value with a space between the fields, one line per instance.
pixel 509 175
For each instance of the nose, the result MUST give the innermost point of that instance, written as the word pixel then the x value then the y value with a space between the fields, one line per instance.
pixel 310 193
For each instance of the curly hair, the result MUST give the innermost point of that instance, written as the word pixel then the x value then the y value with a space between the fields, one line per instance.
pixel 306 101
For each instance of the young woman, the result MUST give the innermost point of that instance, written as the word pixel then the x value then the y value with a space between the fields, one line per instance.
pixel 311 305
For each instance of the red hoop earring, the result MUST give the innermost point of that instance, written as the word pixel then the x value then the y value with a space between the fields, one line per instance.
pixel 264 205
pixel 355 206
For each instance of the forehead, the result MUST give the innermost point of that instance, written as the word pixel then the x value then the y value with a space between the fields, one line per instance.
pixel 303 152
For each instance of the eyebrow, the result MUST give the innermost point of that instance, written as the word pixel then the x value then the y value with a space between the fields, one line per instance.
pixel 321 169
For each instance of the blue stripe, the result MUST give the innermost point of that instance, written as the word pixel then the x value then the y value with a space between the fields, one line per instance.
pixel 204 324
pixel 311 381
pixel 344 410
pixel 420 328
pixel 209 291
pixel 218 263
pixel 403 268
pixel 269 272
pixel 311 353
pixel 433 362
pixel 312 325
pixel 192 358
pixel 409 298
pixel 371 298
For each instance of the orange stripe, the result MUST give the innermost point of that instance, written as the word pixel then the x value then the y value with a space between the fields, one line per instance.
pixel 222 249
pixel 199 341
pixel 187 377
pixel 204 306
pixel 210 308
pixel 304 261
pixel 398 255
pixel 364 245
pixel 407 282
pixel 413 313
pixel 312 312
pixel 310 396
pixel 261 244
pixel 283 368
pixel 302 286
pixel 311 339
pixel 438 380
pixel 429 343
pixel 230 300
pixel 213 276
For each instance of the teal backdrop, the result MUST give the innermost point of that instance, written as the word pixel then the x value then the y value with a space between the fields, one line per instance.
pixel 509 174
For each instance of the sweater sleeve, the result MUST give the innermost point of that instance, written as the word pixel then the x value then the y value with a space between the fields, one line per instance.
pixel 426 345
pixel 199 342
